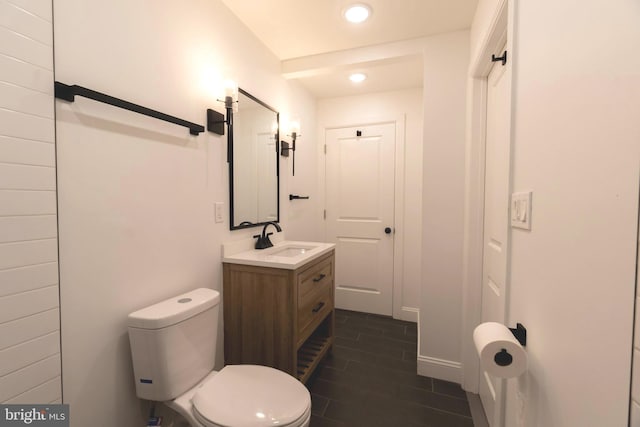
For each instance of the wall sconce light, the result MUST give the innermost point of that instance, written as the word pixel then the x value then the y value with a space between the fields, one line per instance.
pixel 294 133
pixel 216 120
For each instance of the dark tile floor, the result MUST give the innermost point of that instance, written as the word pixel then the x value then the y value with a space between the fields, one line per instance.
pixel 370 380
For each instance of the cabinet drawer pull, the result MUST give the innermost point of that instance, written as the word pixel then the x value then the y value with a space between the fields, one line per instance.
pixel 318 307
pixel 319 278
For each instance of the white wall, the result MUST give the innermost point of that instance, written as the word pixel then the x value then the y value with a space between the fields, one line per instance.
pixel 29 307
pixel 446 60
pixel 389 106
pixel 137 195
pixel 300 214
pixel 576 94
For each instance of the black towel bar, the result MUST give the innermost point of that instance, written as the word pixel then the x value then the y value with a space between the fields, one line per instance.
pixel 69 92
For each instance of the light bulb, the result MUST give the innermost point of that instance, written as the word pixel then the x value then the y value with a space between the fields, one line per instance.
pixel 357 13
pixel 357 77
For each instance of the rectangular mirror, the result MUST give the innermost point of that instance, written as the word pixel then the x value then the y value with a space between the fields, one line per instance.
pixel 253 163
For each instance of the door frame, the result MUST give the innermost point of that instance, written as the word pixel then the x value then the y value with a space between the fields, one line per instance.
pixel 399 311
pixel 502 24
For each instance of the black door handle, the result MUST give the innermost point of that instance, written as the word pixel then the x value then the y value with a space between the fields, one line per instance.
pixel 387 230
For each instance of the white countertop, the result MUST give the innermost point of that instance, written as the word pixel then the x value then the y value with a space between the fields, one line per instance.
pixel 286 254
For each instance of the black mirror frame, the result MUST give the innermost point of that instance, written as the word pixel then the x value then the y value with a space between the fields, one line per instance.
pixel 230 139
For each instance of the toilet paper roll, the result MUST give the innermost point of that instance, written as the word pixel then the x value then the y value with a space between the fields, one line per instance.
pixel 500 353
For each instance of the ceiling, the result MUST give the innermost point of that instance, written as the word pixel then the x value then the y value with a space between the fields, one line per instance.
pixel 320 49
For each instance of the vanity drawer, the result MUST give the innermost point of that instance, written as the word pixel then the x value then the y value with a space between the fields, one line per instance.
pixel 313 312
pixel 315 281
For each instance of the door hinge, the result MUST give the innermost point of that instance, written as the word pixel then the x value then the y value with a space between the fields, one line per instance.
pixel 502 58
pixel 324 215
pixel 325 148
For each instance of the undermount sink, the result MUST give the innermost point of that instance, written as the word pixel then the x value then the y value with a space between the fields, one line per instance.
pixel 292 251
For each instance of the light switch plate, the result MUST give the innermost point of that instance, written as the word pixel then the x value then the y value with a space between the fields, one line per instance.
pixel 521 210
pixel 218 213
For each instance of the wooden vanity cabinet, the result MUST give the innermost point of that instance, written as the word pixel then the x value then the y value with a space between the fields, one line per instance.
pixel 278 317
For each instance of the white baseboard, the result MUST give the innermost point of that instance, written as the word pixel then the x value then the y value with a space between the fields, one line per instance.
pixel 477 411
pixel 446 370
pixel 409 314
pixel 433 367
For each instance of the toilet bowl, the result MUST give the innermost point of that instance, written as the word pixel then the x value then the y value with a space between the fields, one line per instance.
pixel 245 395
pixel 173 346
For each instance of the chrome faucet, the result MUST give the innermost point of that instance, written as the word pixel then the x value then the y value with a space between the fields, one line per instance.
pixel 263 241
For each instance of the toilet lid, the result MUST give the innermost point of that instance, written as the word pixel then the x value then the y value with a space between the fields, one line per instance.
pixel 251 396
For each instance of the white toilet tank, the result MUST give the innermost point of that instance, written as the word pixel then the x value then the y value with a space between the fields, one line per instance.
pixel 173 343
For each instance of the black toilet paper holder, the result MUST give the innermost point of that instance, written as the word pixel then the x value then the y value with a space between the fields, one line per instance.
pixel 520 332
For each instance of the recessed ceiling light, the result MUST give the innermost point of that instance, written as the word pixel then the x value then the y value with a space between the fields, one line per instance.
pixel 357 13
pixel 357 77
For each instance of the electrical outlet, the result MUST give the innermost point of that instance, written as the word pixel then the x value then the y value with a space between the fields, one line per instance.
pixel 218 211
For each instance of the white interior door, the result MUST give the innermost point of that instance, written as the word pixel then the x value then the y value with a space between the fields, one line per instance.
pixel 359 215
pixel 496 225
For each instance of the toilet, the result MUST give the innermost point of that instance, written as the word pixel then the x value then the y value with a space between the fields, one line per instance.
pixel 173 346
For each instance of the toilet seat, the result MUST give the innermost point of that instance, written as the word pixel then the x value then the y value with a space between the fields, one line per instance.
pixel 252 396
